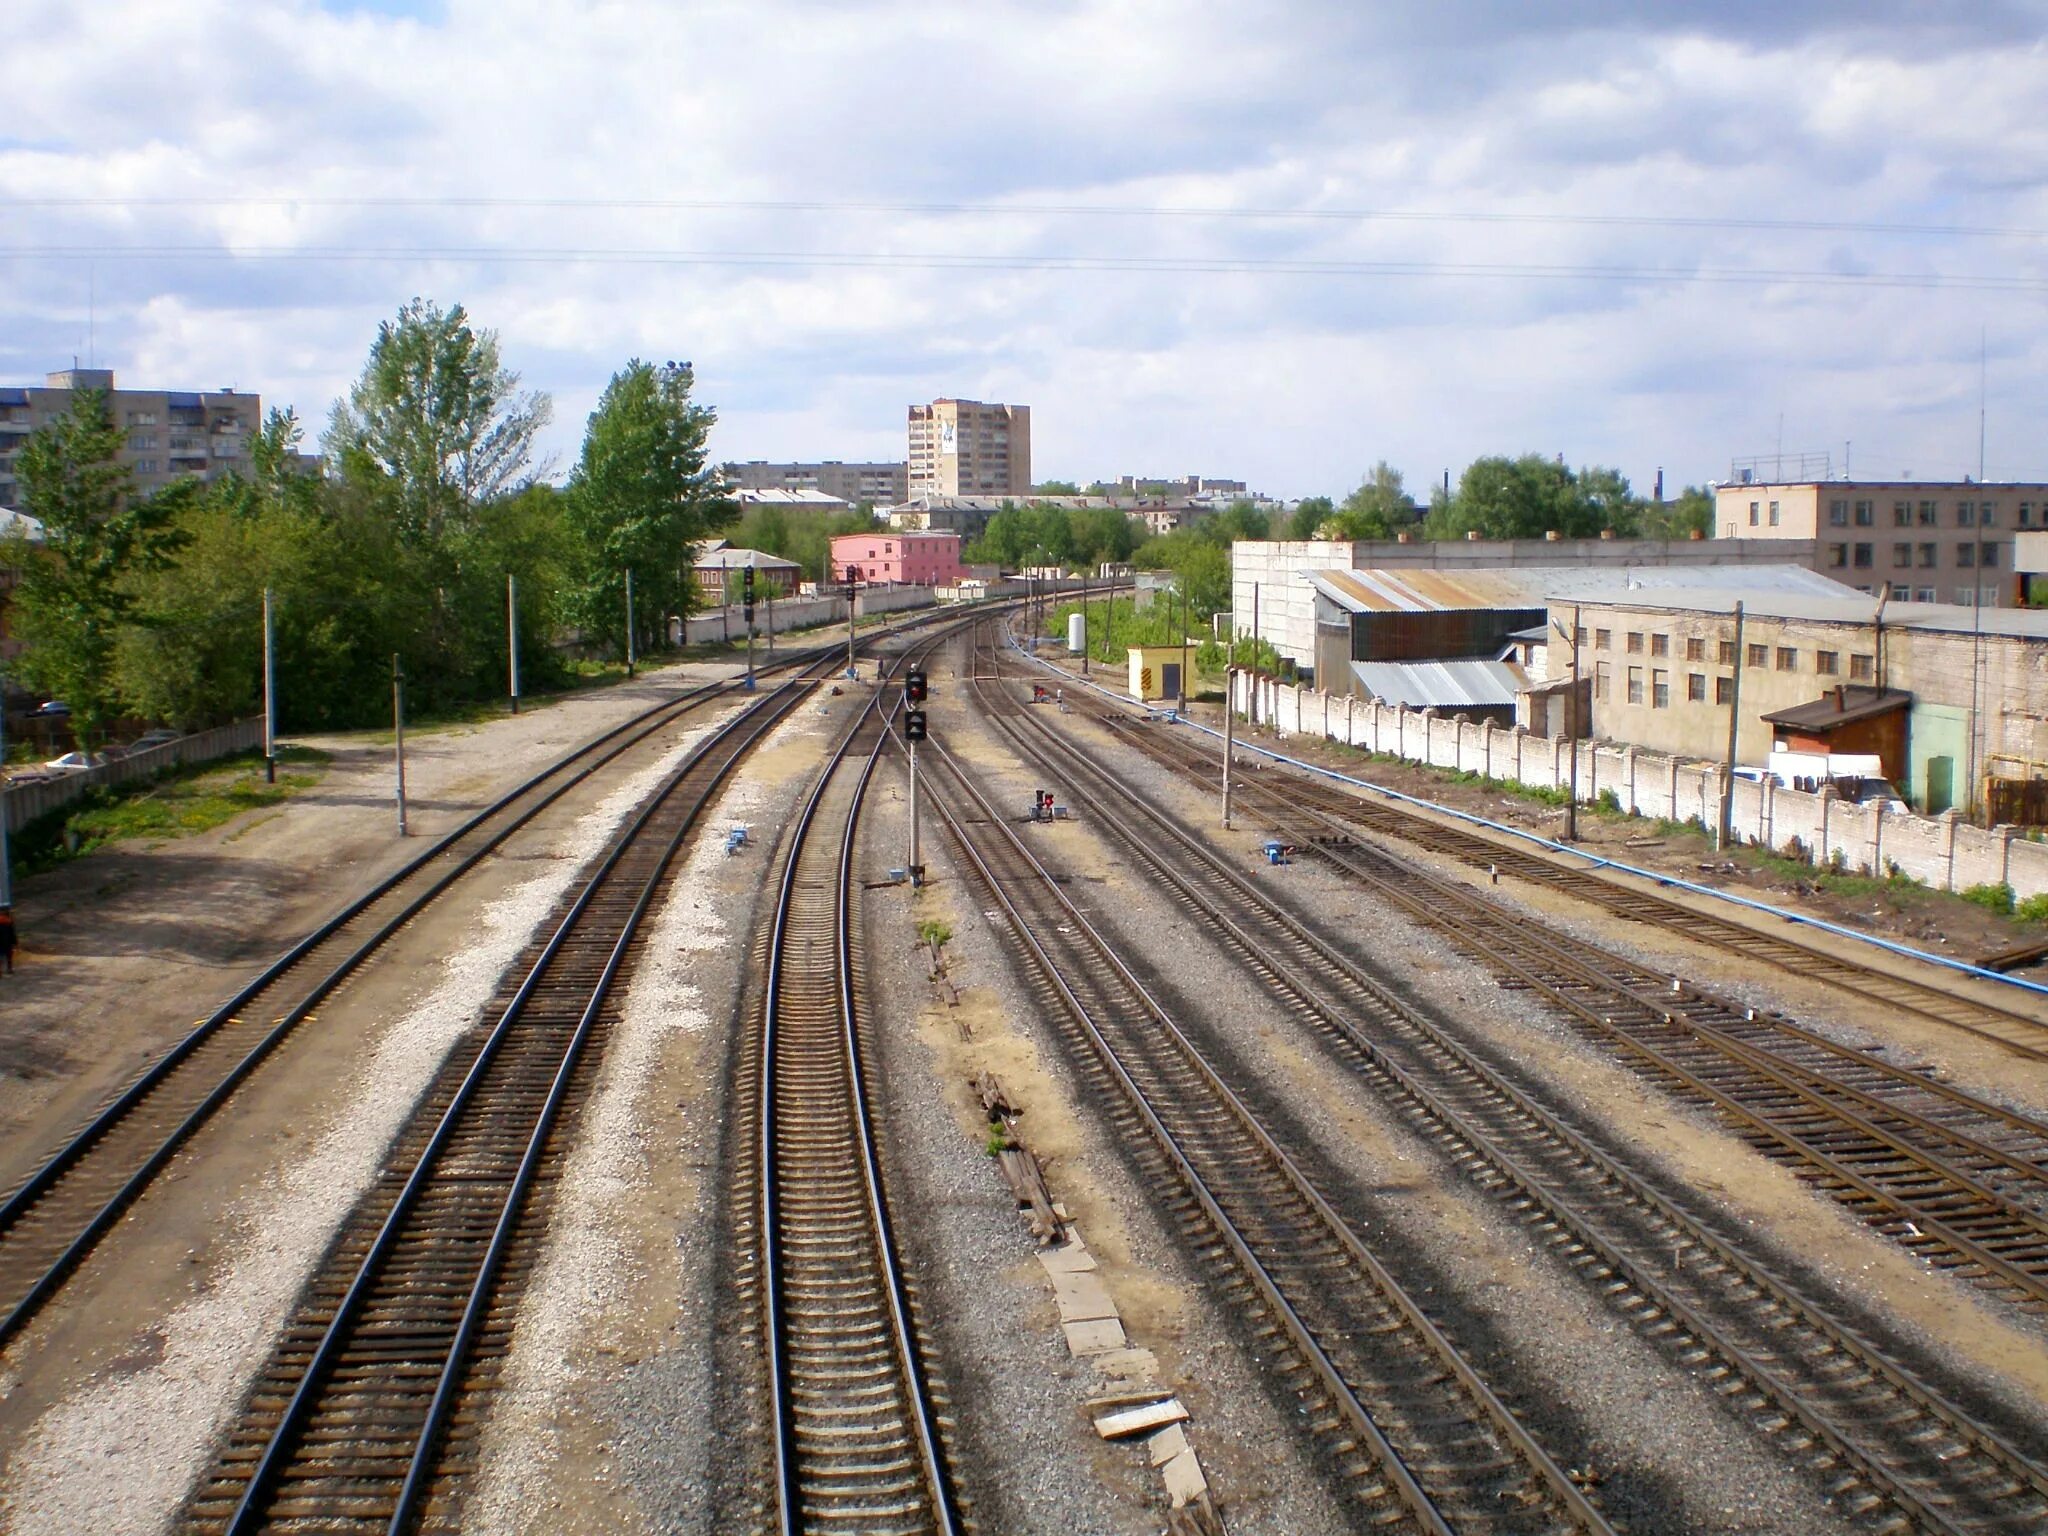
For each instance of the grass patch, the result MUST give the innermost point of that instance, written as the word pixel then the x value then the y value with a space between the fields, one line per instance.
pixel 177 803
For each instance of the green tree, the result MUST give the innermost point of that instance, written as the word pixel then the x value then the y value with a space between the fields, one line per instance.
pixel 1525 498
pixel 74 591
pixel 1378 509
pixel 1056 488
pixel 1310 513
pixel 438 416
pixel 1692 513
pixel 641 497
pixel 1240 520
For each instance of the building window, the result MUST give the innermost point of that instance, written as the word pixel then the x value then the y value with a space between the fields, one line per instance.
pixel 1987 554
pixel 1635 642
pixel 1695 649
pixel 1838 514
pixel 1866 513
pixel 1927 514
pixel 1695 688
pixel 1924 595
pixel 1788 659
pixel 1827 663
pixel 1966 514
pixel 2026 514
pixel 145 466
pixel 1724 690
pixel 142 418
pixel 1838 555
pixel 1987 514
pixel 1635 685
pixel 1660 645
pixel 1861 667
pixel 1774 514
pixel 1724 653
pixel 1900 592
pixel 1579 635
pixel 1603 639
pixel 1927 557
pixel 1754 508
pixel 1862 557
pixel 1600 681
pixel 1759 655
pixel 1660 689
pixel 1902 514
pixel 1902 555
pixel 1966 556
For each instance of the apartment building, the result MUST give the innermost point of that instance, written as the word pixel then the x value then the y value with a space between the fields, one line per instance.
pixel 967 448
pixel 1915 541
pixel 1178 485
pixel 881 484
pixel 170 433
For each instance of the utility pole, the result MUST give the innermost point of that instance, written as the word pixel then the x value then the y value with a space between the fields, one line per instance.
pixel 1724 833
pixel 1229 735
pixel 512 634
pixel 1571 805
pixel 6 866
pixel 1976 694
pixel 629 621
pixel 771 621
pixel 398 731
pixel 1084 624
pixel 269 694
pixel 852 579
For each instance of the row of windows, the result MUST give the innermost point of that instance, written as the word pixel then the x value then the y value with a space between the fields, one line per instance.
pixel 1905 514
pixel 1863 556
pixel 1861 669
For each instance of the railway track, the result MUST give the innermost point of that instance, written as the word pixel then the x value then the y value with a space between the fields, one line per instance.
pixel 56 1215
pixel 858 1427
pixel 1814 1382
pixel 1954 1178
pixel 2021 1029
pixel 1419 1441
pixel 364 1417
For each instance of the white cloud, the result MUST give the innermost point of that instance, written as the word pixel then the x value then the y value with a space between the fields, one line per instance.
pixel 1520 120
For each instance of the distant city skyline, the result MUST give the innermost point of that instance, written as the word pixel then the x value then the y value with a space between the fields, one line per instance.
pixel 1636 236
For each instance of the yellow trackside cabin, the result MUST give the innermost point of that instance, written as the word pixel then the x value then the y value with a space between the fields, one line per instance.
pixel 1156 671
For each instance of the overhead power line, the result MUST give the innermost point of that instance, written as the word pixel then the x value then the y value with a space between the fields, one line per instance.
pixel 1049 262
pixel 1902 228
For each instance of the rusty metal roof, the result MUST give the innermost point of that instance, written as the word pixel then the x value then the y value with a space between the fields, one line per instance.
pixel 1416 590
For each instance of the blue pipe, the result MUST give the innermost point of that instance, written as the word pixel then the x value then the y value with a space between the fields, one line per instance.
pixel 1592 861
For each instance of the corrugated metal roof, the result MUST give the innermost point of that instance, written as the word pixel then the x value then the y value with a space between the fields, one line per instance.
pixel 730 559
pixel 1860 608
pixel 1536 586
pixel 1459 683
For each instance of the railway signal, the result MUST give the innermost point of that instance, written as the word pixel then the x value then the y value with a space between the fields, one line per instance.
pixel 914 687
pixel 913 725
pixel 852 581
pixel 913 733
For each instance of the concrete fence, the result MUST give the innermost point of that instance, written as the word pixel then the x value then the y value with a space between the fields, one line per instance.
pixel 730 622
pixel 25 802
pixel 1944 851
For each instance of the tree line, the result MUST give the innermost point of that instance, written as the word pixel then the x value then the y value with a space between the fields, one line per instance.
pixel 1504 498
pixel 149 606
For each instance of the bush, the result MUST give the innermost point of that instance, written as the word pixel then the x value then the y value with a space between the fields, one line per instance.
pixel 1608 803
pixel 2033 910
pixel 1992 898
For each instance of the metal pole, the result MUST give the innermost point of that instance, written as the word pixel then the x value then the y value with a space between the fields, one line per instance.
pixel 1571 811
pixel 771 622
pixel 6 865
pixel 512 634
pixel 750 655
pixel 1976 697
pixel 629 621
pixel 1229 735
pixel 916 862
pixel 1084 625
pixel 269 694
pixel 398 731
pixel 851 573
pixel 1724 833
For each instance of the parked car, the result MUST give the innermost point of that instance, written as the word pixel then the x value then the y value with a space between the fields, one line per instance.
pixel 55 707
pixel 74 762
pixel 154 738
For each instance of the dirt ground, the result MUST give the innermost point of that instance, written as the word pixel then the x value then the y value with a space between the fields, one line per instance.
pixel 124 950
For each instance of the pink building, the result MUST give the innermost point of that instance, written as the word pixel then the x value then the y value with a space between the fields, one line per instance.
pixel 909 559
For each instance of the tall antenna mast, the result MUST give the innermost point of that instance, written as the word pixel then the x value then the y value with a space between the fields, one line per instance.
pixel 1980 403
pixel 92 357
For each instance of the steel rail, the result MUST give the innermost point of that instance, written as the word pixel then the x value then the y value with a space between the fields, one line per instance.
pixel 1329 1003
pixel 250 1512
pixel 1503 941
pixel 916 1389
pixel 24 1200
pixel 1401 816
pixel 1555 1482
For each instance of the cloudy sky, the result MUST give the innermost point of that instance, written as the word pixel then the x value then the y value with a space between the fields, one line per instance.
pixel 1269 240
